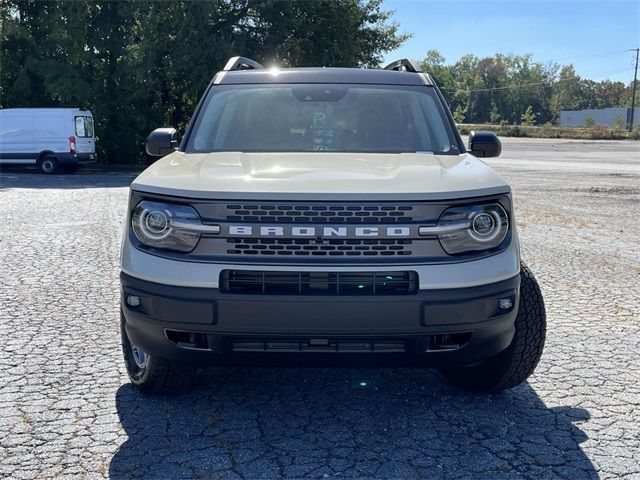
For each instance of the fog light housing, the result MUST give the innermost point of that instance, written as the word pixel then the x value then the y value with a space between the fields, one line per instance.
pixel 133 300
pixel 505 303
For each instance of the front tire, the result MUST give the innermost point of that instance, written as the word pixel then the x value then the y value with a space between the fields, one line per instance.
pixel 150 374
pixel 517 362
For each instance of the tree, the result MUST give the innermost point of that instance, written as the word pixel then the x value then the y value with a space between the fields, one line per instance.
pixel 494 115
pixel 608 94
pixel 499 89
pixel 458 114
pixel 569 91
pixel 344 33
pixel 142 64
pixel 494 89
pixel 625 101
pixel 435 65
pixel 528 117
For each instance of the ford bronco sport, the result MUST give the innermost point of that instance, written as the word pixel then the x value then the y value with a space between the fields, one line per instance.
pixel 325 212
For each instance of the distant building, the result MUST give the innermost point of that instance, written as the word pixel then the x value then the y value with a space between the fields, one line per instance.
pixel 600 116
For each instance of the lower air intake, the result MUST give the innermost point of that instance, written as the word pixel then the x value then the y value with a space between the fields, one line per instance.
pixel 318 283
pixel 318 346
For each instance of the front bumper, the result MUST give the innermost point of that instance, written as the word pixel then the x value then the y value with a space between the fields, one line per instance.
pixel 232 328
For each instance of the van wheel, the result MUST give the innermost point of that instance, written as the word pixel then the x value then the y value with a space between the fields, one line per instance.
pixel 153 375
pixel 513 365
pixel 48 165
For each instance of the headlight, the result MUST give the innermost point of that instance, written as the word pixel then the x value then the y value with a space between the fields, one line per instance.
pixel 470 228
pixel 170 226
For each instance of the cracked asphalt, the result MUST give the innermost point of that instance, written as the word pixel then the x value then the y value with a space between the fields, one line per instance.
pixel 67 409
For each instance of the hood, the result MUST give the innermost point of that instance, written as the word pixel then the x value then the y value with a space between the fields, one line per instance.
pixel 319 175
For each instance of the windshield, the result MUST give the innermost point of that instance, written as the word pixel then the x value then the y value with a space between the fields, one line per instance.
pixel 317 117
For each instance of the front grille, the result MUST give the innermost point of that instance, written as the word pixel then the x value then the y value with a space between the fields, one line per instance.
pixel 309 247
pixel 319 213
pixel 318 283
pixel 263 231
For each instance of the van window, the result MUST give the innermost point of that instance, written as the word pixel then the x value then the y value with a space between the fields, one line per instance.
pixel 88 123
pixel 80 130
pixel 84 126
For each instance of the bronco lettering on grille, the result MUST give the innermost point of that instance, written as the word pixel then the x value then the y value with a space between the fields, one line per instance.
pixel 312 231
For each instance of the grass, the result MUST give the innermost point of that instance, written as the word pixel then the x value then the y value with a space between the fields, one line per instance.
pixel 598 132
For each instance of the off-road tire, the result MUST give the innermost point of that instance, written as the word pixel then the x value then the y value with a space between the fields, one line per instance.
pixel 513 365
pixel 158 375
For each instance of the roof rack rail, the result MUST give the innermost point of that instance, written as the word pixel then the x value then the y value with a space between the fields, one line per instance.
pixel 241 63
pixel 404 65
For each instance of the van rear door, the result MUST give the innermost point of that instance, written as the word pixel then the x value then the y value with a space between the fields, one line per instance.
pixel 51 130
pixel 84 133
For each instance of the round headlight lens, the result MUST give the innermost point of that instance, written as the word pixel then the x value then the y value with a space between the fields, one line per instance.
pixel 473 228
pixel 485 226
pixel 158 225
pixel 155 223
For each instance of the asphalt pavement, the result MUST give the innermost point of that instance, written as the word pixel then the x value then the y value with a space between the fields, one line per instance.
pixel 67 409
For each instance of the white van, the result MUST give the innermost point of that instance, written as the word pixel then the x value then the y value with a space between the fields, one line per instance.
pixel 51 138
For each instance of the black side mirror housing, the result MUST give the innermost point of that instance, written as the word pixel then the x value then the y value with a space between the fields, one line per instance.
pixel 161 142
pixel 484 144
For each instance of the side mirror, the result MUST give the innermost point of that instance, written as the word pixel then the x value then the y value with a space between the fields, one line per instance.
pixel 161 142
pixel 484 144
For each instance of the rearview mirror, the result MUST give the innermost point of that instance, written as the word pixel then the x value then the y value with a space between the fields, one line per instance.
pixel 161 142
pixel 484 144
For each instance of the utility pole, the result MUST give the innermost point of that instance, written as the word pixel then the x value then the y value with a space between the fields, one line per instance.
pixel 633 94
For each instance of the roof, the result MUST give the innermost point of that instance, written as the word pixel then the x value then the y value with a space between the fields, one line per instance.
pixel 52 109
pixel 321 75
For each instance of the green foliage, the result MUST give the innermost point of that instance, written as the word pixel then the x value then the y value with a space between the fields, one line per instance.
pixel 494 115
pixel 499 89
pixel 528 117
pixel 618 123
pixel 589 122
pixel 598 132
pixel 458 114
pixel 143 64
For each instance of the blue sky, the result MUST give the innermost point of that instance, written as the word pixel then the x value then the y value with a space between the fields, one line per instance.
pixel 593 35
